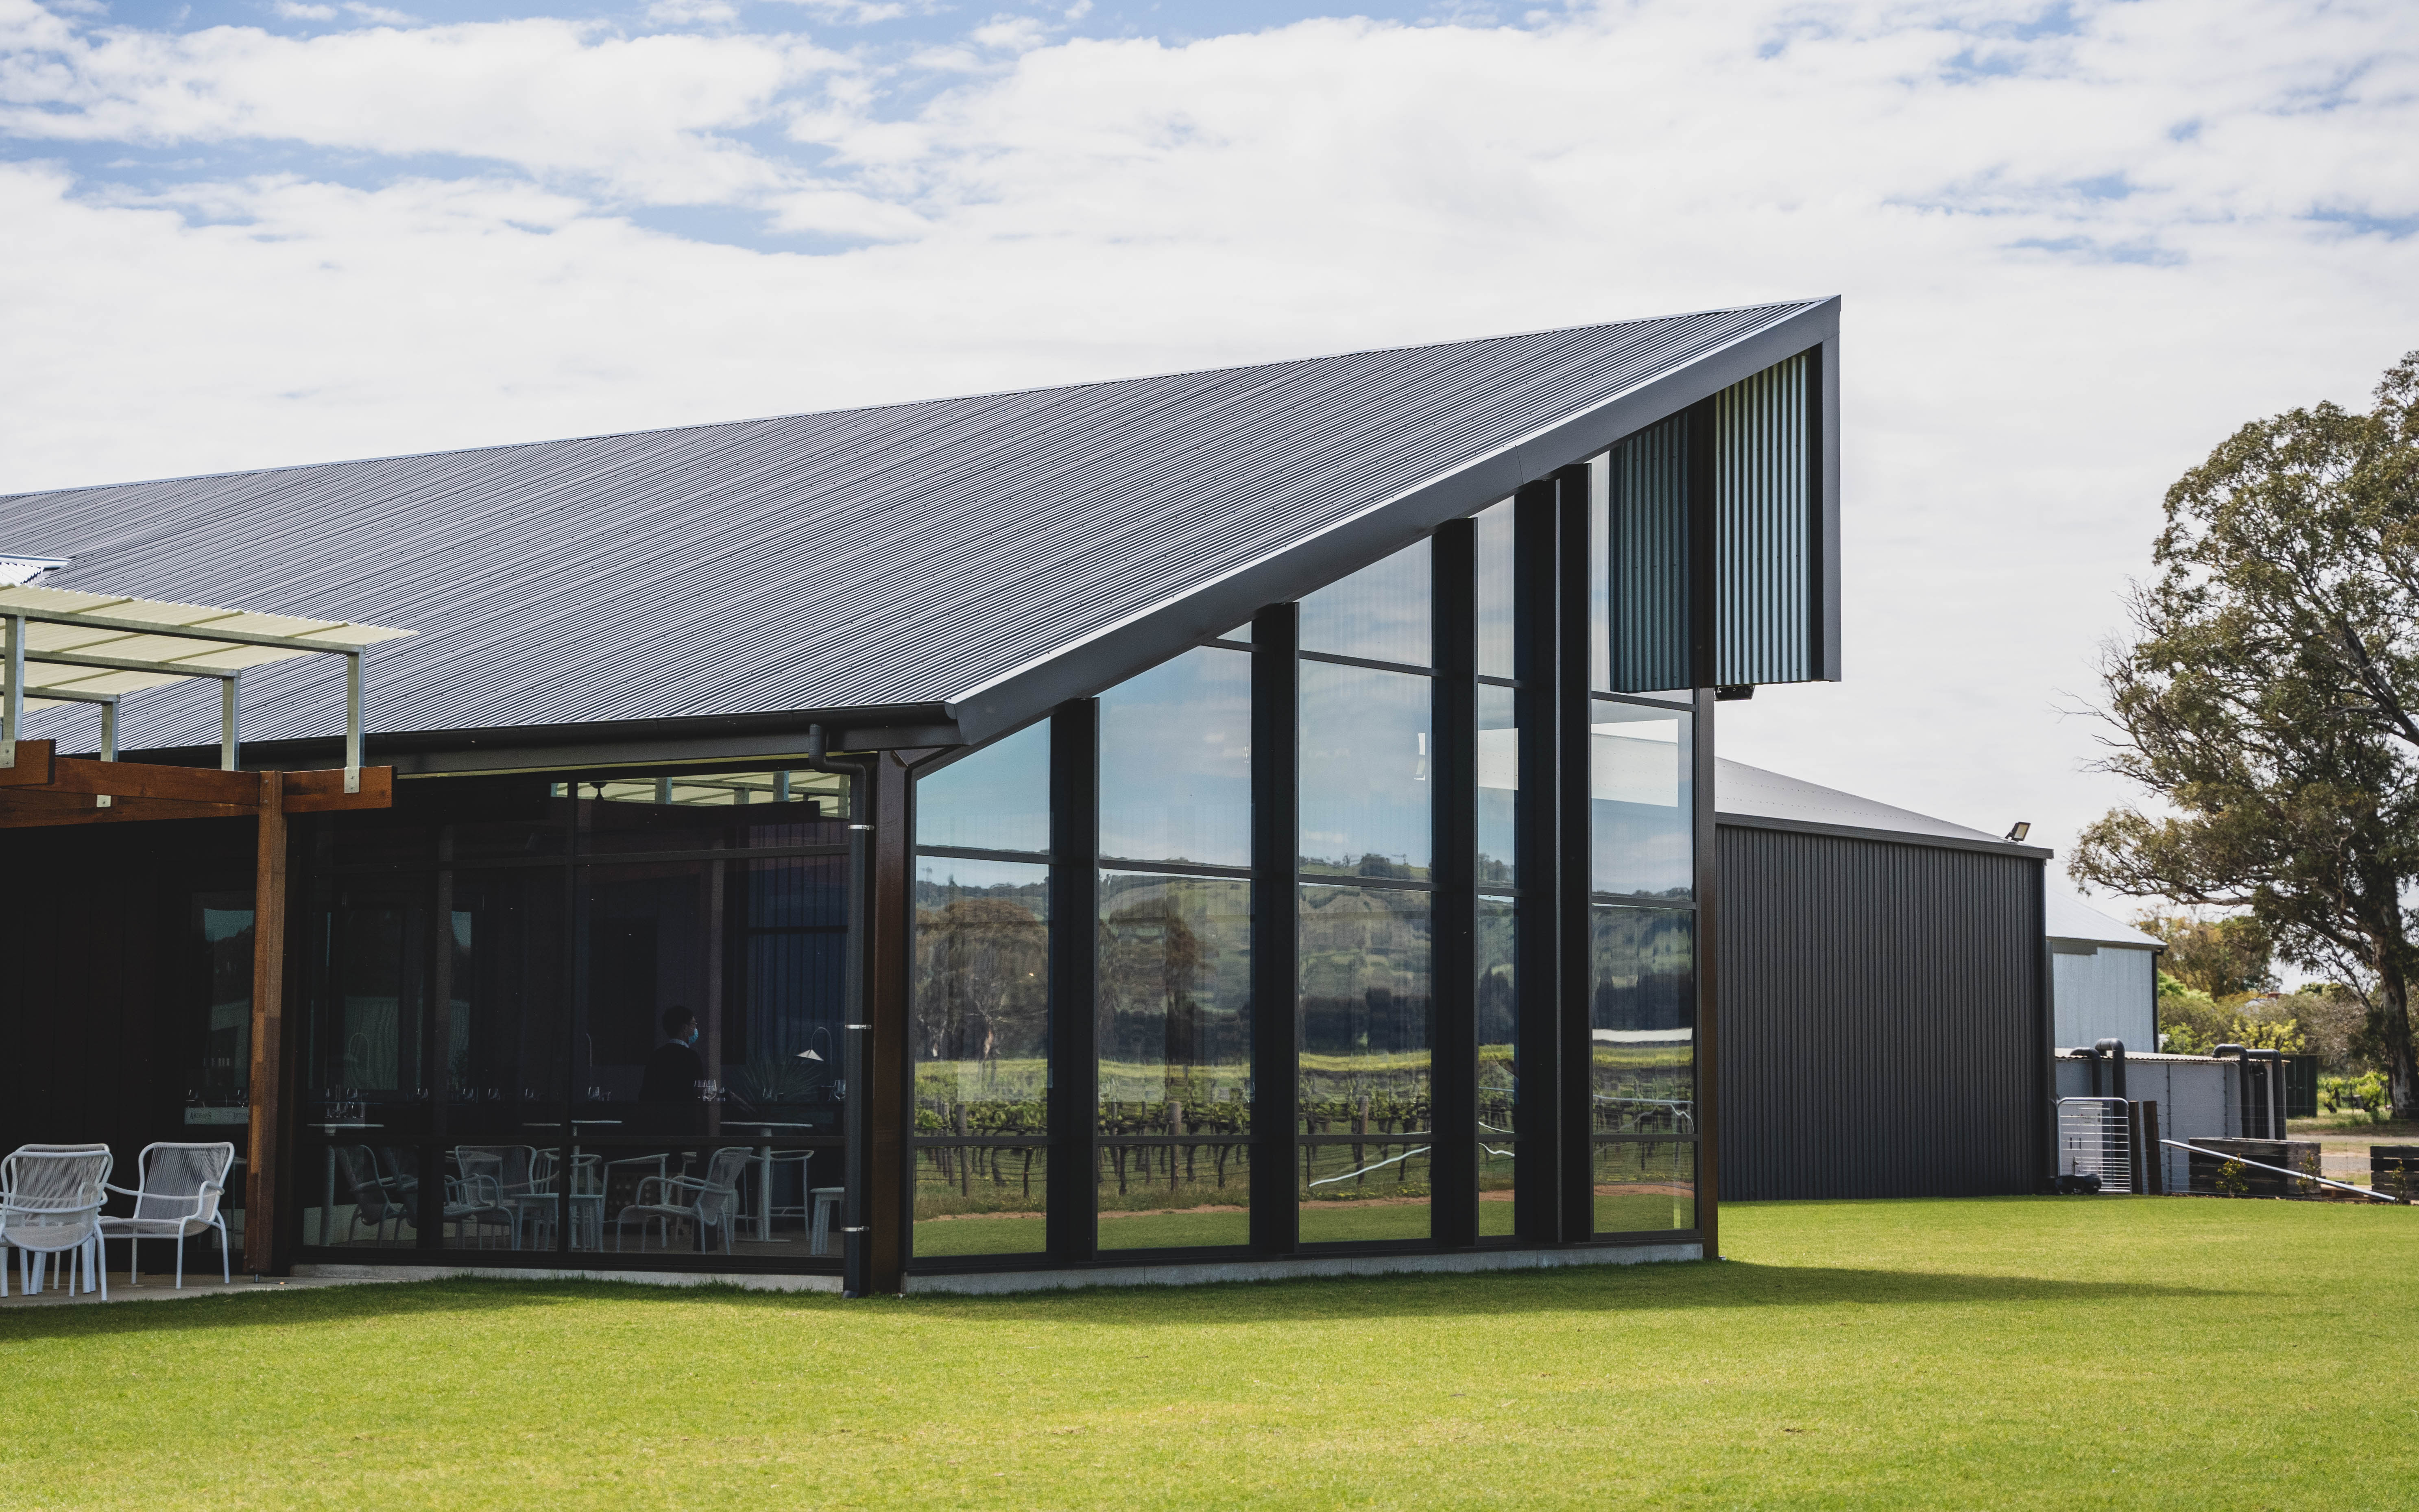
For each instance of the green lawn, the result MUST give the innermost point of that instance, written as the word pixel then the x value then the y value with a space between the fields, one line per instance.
pixel 2049 1353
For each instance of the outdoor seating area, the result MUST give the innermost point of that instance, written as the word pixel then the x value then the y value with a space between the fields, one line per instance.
pixel 54 1202
pixel 735 1199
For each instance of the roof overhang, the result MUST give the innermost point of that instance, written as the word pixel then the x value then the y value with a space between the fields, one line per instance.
pixel 1143 640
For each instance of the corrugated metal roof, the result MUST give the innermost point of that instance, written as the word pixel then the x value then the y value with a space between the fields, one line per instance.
pixel 2072 919
pixel 910 554
pixel 1752 792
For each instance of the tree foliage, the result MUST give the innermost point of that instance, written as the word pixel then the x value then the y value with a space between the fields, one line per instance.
pixel 2270 701
pixel 2221 957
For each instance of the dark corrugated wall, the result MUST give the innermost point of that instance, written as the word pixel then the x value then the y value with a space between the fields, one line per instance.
pixel 1880 1018
pixel 1764 531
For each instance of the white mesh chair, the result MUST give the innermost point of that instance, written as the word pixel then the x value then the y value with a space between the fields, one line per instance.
pixel 710 1202
pixel 378 1201
pixel 50 1197
pixel 177 1192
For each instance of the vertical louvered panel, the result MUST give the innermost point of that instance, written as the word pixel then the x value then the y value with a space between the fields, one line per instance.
pixel 1880 1018
pixel 1763 530
pixel 1648 540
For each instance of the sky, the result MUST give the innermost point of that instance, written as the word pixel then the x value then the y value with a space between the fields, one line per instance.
pixel 2078 245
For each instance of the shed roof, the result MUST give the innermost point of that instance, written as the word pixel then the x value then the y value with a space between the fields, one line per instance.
pixel 2069 917
pixel 1745 792
pixel 980 557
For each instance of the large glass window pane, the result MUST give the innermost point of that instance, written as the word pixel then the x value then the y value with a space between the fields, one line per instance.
pixel 368 1074
pixel 218 1049
pixel 1363 1066
pixel 993 799
pixel 1498 784
pixel 1499 1062
pixel 1645 1185
pixel 1495 578
pixel 1175 1033
pixel 1380 614
pixel 500 817
pixel 1644 822
pixel 979 1041
pixel 1365 771
pixel 1176 762
pixel 1642 1021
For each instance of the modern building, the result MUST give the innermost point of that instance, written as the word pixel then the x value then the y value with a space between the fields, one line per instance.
pixel 1245 822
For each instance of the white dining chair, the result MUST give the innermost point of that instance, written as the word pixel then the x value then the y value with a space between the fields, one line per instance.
pixel 178 1188
pixel 50 1197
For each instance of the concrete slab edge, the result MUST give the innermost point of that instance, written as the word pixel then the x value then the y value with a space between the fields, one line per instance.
pixel 995 1282
pixel 745 1281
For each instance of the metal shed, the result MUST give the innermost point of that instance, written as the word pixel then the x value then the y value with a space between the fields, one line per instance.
pixel 2103 977
pixel 1885 998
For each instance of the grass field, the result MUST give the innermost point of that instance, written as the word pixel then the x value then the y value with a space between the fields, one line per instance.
pixel 2009 1353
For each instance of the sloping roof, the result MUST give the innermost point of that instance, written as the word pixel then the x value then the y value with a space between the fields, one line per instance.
pixel 1750 792
pixel 2069 917
pixel 974 554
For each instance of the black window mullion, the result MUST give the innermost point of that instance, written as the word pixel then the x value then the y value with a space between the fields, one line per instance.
pixel 1276 681
pixel 1536 630
pixel 1074 933
pixel 1576 1191
pixel 1453 784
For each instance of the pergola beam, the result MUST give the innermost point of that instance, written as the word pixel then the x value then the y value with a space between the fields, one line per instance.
pixel 198 630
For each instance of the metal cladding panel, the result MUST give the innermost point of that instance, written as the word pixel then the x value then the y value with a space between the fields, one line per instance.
pixel 908 555
pixel 1763 535
pixel 1648 539
pixel 1881 1026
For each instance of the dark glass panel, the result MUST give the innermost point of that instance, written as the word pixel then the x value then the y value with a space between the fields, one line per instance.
pixel 1498 784
pixel 1642 818
pixel 993 799
pixel 367 1071
pixel 1176 762
pixel 979 1041
pixel 1175 1034
pixel 359 1193
pixel 506 959
pixel 394 838
pixel 1494 534
pixel 644 1047
pixel 218 1047
pixel 1645 1185
pixel 714 810
pixel 1364 1059
pixel 1365 771
pixel 1499 1062
pixel 1642 1019
pixel 496 818
pixel 784 996
pixel 509 1194
pixel 1380 614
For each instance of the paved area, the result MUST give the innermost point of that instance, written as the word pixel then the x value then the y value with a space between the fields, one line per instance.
pixel 161 1288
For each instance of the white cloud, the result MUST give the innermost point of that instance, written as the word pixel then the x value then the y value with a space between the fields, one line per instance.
pixel 2073 261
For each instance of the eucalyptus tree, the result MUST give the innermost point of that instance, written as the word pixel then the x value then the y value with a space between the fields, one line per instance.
pixel 2269 702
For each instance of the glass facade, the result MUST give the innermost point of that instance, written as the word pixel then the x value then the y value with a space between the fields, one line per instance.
pixel 583 1013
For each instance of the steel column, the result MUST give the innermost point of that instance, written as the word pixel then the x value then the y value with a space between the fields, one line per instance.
pixel 12 703
pixel 1575 1197
pixel 1074 1076
pixel 1537 967
pixel 1453 784
pixel 1708 1063
pixel 230 703
pixel 1276 940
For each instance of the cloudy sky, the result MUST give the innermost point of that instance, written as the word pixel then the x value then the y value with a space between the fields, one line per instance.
pixel 2078 244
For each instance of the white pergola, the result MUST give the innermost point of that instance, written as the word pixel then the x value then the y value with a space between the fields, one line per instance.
pixel 64 646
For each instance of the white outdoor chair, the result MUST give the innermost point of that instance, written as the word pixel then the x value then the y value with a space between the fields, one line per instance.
pixel 178 1188
pixel 710 1202
pixel 50 1197
pixel 378 1201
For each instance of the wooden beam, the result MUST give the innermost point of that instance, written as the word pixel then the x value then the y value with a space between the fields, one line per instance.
pixel 139 779
pixel 263 1185
pixel 32 808
pixel 323 792
pixel 33 769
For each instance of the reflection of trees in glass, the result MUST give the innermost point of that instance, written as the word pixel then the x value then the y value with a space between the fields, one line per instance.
pixel 981 986
pixel 1642 1020
pixel 1364 1009
pixel 1175 1038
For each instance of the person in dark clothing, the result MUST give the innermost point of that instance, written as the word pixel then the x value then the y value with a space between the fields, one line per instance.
pixel 671 1092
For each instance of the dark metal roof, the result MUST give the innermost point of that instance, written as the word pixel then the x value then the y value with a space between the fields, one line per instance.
pixel 986 555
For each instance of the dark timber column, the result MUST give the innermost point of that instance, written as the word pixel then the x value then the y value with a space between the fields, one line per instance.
pixel 1537 966
pixel 1276 852
pixel 1577 1192
pixel 1074 929
pixel 1709 1061
pixel 263 1171
pixel 1452 782
pixel 890 922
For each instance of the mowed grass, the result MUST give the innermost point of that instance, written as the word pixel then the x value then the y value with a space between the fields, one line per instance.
pixel 2007 1353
